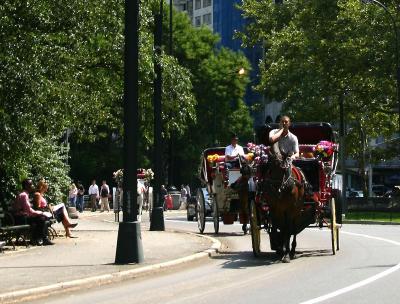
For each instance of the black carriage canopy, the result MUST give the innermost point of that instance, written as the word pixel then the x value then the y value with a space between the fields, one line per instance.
pixel 308 133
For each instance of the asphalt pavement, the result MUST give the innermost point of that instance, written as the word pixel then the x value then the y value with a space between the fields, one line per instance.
pixel 89 259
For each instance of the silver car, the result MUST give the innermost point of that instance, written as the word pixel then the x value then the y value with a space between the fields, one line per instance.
pixel 192 206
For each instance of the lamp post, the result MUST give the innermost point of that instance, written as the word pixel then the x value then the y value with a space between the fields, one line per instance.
pixel 396 36
pixel 157 213
pixel 129 243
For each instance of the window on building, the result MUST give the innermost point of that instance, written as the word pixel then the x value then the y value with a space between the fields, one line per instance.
pixel 207 18
pixel 207 3
pixel 197 4
pixel 197 21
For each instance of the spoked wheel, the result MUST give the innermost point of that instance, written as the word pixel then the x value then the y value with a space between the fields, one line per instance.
pixel 334 227
pixel 51 233
pixel 201 211
pixel 215 215
pixel 255 229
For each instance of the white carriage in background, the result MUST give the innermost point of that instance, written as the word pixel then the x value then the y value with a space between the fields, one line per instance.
pixel 224 187
pixel 144 192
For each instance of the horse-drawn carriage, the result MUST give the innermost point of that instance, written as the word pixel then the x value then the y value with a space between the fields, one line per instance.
pixel 291 195
pixel 227 187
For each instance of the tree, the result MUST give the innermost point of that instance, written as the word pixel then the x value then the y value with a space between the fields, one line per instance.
pixel 60 73
pixel 219 90
pixel 317 51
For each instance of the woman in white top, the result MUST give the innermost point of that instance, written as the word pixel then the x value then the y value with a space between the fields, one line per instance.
pixel 73 191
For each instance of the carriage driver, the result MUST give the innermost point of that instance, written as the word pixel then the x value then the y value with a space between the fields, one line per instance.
pixel 233 151
pixel 287 141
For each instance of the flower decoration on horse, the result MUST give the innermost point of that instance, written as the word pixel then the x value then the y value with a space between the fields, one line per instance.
pixel 259 153
pixel 119 177
pixel 324 150
pixel 148 175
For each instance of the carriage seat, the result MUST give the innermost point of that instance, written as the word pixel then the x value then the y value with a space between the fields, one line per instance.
pixel 311 170
pixel 306 151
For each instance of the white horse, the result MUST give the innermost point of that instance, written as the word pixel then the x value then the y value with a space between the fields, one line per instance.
pixel 141 190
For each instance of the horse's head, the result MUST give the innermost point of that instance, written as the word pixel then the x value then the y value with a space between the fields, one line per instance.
pixel 279 163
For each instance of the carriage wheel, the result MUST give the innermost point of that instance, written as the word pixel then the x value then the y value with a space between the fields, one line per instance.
pixel 201 211
pixel 255 229
pixel 51 233
pixel 215 216
pixel 334 227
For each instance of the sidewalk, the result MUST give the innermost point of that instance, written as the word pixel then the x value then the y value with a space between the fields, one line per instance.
pixel 91 254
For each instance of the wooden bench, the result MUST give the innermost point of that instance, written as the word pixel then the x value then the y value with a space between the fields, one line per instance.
pixel 11 233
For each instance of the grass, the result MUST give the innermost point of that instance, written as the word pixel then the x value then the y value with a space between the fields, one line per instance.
pixel 380 216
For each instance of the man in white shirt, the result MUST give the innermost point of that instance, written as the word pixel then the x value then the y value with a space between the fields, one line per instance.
pixel 93 194
pixel 233 151
pixel 287 142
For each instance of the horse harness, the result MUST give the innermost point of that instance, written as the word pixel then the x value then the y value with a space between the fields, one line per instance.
pixel 293 176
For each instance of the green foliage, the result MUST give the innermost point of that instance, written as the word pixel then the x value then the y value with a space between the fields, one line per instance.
pixel 62 68
pixel 318 50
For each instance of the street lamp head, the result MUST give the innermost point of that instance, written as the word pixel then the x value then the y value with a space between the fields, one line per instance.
pixel 242 71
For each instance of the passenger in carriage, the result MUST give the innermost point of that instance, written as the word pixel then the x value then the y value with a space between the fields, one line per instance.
pixel 284 141
pixel 232 152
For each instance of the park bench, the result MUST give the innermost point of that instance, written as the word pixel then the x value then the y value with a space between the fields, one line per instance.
pixel 11 233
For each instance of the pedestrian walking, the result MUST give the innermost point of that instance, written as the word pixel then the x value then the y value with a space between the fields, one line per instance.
pixel 80 203
pixel 189 194
pixel 183 197
pixel 93 194
pixel 73 191
pixel 104 192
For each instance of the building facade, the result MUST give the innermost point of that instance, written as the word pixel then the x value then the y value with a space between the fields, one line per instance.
pixel 184 6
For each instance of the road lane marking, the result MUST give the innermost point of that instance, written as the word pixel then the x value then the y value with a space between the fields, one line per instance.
pixel 360 283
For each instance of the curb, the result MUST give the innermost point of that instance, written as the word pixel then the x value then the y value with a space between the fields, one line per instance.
pixel 369 222
pixel 44 291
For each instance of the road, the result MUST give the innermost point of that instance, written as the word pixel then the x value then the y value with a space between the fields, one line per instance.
pixel 365 270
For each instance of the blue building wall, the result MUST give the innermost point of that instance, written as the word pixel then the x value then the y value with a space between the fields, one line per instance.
pixel 227 19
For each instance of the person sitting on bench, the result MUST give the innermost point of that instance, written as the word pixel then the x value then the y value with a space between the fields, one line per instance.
pixel 38 220
pixel 59 211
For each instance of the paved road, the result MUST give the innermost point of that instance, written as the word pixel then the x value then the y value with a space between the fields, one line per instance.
pixel 364 271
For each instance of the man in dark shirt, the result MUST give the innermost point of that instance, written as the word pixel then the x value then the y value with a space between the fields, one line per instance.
pixel 80 204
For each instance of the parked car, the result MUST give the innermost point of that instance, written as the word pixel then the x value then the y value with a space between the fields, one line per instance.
pixel 379 190
pixel 191 210
pixel 354 193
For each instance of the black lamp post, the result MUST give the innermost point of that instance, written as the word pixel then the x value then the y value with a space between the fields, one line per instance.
pixel 396 36
pixel 157 214
pixel 129 244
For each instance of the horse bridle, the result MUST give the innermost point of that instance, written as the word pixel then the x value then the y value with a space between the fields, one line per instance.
pixel 285 164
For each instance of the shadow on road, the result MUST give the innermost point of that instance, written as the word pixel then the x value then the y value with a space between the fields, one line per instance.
pixel 224 234
pixel 243 259
pixel 313 253
pixel 246 259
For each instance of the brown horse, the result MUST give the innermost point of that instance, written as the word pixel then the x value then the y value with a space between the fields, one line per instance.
pixel 284 186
